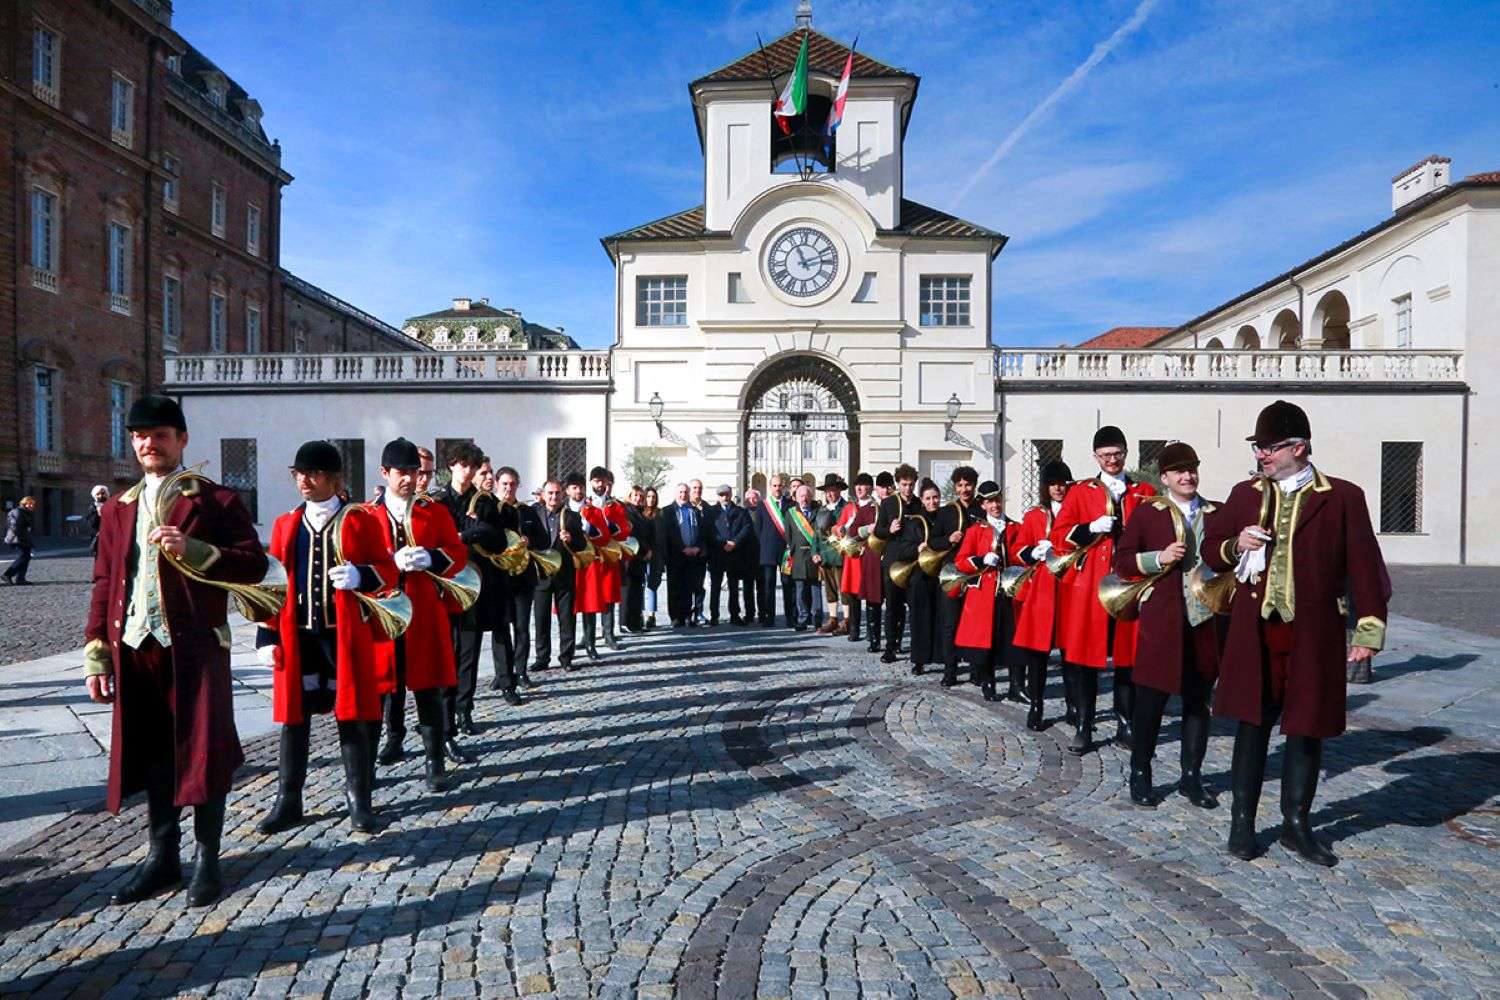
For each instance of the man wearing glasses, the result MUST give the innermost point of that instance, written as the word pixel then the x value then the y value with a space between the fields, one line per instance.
pixel 1089 522
pixel 1301 547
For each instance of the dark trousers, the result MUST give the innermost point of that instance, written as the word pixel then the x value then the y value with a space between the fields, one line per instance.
pixel 767 580
pixel 698 572
pixel 803 591
pixel 1001 652
pixel 467 640
pixel 518 651
pixel 17 569
pixel 541 624
pixel 951 609
pixel 1151 705
pixel 742 596
pixel 715 588
pixel 633 596
pixel 895 610
pixel 430 708
pixel 684 589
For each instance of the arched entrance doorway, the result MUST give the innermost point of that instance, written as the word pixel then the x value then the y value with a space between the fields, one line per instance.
pixel 800 416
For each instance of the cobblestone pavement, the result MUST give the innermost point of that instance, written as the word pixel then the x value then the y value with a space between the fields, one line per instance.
pixel 744 813
pixel 48 616
pixel 1466 597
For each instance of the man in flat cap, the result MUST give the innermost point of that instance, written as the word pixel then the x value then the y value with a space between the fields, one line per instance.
pixel 1091 519
pixel 158 648
pixel 1178 647
pixel 1302 548
pixel 322 645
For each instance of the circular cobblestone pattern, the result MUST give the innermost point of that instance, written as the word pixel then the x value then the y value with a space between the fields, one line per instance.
pixel 745 813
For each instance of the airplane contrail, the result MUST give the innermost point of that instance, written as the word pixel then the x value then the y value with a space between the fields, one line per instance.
pixel 1062 90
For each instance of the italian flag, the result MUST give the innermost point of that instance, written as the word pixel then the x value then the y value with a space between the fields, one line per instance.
pixel 793 100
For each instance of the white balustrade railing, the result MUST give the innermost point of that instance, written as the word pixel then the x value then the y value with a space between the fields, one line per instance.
pixel 503 367
pixel 1042 365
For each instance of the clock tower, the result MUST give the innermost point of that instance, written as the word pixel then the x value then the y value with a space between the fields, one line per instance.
pixel 805 317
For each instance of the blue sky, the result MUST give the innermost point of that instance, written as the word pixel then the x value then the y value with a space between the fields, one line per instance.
pixel 482 148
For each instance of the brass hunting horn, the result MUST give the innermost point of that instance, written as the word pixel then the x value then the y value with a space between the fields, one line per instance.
pixel 258 602
pixel 463 586
pixel 901 571
pixel 391 609
pixel 1121 597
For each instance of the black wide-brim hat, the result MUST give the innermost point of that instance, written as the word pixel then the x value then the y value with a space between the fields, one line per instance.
pixel 1176 456
pixel 1279 421
pixel 400 454
pixel 155 411
pixel 988 490
pixel 320 456
pixel 833 481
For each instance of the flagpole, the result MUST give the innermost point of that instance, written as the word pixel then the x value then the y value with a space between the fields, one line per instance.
pixel 831 137
pixel 776 97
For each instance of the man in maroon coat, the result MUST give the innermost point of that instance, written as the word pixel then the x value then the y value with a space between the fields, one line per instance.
pixel 158 649
pixel 1300 544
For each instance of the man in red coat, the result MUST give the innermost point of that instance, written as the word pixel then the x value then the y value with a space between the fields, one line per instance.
pixel 611 574
pixel 1092 516
pixel 987 624
pixel 1301 545
pixel 423 542
pixel 591 589
pixel 158 649
pixel 322 645
pixel 1178 651
pixel 1039 613
pixel 859 580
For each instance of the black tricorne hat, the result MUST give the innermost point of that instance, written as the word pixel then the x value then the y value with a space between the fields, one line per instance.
pixel 1176 456
pixel 319 456
pixel 885 481
pixel 1056 471
pixel 155 411
pixel 989 490
pixel 1109 436
pixel 400 454
pixel 1279 421
pixel 573 479
pixel 833 481
pixel 863 479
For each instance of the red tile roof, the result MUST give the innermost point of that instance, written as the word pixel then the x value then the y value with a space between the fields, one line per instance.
pixel 1126 337
pixel 780 56
pixel 1488 177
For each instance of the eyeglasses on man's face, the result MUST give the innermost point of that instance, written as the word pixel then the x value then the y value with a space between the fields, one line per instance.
pixel 1260 450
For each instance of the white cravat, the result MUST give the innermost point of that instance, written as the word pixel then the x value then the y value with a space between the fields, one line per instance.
pixel 153 485
pixel 1114 484
pixel 1297 480
pixel 599 501
pixel 1056 506
pixel 320 512
pixel 1189 508
pixel 995 523
pixel 397 505
pixel 867 502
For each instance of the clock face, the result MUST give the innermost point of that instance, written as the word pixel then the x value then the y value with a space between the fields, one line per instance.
pixel 802 261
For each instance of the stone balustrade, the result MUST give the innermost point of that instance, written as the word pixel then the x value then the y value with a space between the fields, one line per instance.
pixel 1018 368
pixel 186 372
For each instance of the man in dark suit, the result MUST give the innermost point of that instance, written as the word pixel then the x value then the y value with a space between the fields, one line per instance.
pixel 707 514
pixel 564 531
pixel 770 535
pixel 683 536
pixel 730 535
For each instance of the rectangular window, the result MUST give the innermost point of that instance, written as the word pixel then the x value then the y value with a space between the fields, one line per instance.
pixel 252 229
pixel 565 455
pixel 218 308
pixel 237 459
pixel 252 329
pixel 119 406
pixel 1146 458
pixel 170 185
pixel 171 314
pixel 945 301
pixel 1403 321
pixel 119 268
pixel 737 290
pixel 45 49
pixel 661 301
pixel 122 111
pixel 808 446
pixel 218 210
pixel 353 452
pixel 44 402
pixel 44 238
pixel 1035 453
pixel 1400 487
pixel 833 449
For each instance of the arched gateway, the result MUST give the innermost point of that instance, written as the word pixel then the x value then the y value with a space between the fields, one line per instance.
pixel 800 416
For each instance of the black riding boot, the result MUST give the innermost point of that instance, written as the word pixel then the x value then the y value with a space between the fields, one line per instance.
pixel 287 811
pixel 1070 694
pixel 372 740
pixel 1085 693
pixel 451 723
pixel 855 613
pixel 1247 774
pixel 610 641
pixel 162 868
pixel 355 748
pixel 395 729
pixel 589 639
pixel 872 622
pixel 1147 722
pixel 1036 686
pixel 1017 680
pixel 208 828
pixel 1194 746
pixel 1124 705
pixel 432 745
pixel 1299 784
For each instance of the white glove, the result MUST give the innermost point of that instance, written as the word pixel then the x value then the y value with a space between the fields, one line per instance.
pixel 265 656
pixel 1042 549
pixel 992 559
pixel 344 577
pixel 1253 563
pixel 412 559
pixel 1102 525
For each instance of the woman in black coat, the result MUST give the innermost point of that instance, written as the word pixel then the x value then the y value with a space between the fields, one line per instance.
pixel 923 598
pixel 18 535
pixel 652 557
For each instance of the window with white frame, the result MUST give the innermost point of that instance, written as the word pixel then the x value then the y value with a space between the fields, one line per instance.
pixel 44 407
pixel 1403 321
pixel 218 210
pixel 122 111
pixel 119 407
pixel 661 301
pixel 119 268
pixel 252 329
pixel 252 229
pixel 46 52
pixel 170 185
pixel 171 314
pixel 44 243
pixel 945 300
pixel 218 308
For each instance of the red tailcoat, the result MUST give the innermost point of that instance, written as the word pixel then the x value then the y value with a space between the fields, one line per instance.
pixel 1334 550
pixel 1085 624
pixel 1163 620
pixel 357 689
pixel 591 591
pixel 1038 614
pixel 977 623
pixel 847 525
pixel 206 745
pixel 429 639
pixel 619 530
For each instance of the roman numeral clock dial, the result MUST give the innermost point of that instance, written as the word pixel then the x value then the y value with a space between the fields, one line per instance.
pixel 802 262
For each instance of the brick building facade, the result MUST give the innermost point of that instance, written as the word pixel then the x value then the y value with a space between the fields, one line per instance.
pixel 140 216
